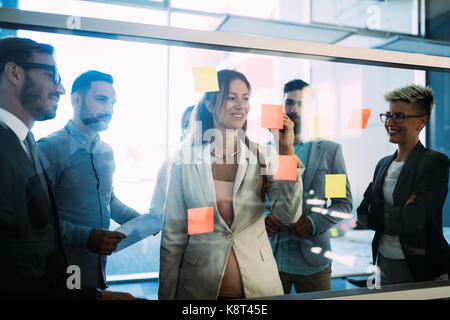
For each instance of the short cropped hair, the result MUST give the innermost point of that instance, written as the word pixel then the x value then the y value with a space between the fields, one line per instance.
pixel 296 84
pixel 18 50
pixel 83 82
pixel 420 96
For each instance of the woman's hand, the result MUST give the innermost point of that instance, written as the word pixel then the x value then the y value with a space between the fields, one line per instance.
pixel 410 200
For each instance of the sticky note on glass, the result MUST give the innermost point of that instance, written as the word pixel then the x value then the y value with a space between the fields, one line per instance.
pixel 200 220
pixel 359 119
pixel 321 126
pixel 286 168
pixel 344 227
pixel 272 116
pixel 353 223
pixel 205 79
pixel 335 185
pixel 334 232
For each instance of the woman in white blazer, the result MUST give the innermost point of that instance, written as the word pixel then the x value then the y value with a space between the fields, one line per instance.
pixel 219 167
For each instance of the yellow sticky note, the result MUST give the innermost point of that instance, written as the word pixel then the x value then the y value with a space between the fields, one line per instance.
pixel 205 79
pixel 335 185
pixel 334 232
pixel 321 126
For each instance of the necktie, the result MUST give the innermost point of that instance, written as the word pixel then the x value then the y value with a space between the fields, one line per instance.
pixel 31 145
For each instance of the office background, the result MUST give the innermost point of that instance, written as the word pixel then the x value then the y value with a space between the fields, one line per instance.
pixel 154 85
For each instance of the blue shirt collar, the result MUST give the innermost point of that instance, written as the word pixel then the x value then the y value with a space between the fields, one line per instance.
pixel 302 143
pixel 79 135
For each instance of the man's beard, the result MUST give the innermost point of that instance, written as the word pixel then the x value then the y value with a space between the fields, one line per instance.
pixel 297 119
pixel 33 98
pixel 97 123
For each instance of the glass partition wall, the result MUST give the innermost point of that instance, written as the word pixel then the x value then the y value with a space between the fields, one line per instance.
pixel 152 70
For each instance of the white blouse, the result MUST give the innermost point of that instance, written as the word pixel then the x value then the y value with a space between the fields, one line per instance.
pixel 389 246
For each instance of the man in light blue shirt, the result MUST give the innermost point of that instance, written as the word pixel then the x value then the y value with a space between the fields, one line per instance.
pixel 80 168
pixel 297 264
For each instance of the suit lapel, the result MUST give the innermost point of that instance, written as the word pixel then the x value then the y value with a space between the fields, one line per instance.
pixel 14 144
pixel 202 156
pixel 203 166
pixel 378 185
pixel 411 164
pixel 242 167
pixel 310 170
pixel 26 165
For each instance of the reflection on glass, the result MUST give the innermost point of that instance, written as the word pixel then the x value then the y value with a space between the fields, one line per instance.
pixel 150 103
pixel 193 21
pixel 138 114
pixel 397 16
pixel 92 9
pixel 252 8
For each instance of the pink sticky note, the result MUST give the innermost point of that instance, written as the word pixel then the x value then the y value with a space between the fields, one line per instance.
pixel 359 119
pixel 272 116
pixel 344 227
pixel 287 168
pixel 200 220
pixel 353 223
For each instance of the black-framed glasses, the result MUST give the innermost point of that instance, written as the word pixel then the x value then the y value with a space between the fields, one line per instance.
pixel 397 117
pixel 55 73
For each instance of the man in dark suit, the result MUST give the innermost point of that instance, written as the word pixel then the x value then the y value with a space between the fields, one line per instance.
pixel 32 261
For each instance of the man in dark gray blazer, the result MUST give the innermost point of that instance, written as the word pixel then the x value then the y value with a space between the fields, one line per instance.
pixel 292 244
pixel 32 261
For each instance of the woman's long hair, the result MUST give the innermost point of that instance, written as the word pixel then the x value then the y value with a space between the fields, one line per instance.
pixel 202 116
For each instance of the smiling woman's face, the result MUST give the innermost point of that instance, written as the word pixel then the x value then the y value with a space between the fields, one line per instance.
pixel 235 108
pixel 405 131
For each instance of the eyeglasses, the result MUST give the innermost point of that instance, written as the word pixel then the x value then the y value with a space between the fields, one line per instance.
pixel 56 76
pixel 397 117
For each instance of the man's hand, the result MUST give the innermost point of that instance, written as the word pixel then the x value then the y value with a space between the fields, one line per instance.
pixel 104 241
pixel 273 225
pixel 114 295
pixel 303 227
pixel 285 137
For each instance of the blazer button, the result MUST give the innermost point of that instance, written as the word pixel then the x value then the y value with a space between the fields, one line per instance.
pixel 230 237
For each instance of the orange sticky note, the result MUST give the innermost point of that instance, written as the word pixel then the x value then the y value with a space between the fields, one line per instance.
pixel 353 223
pixel 359 118
pixel 272 116
pixel 200 220
pixel 335 185
pixel 286 168
pixel 344 227
pixel 205 79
